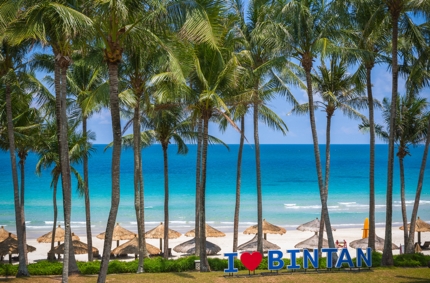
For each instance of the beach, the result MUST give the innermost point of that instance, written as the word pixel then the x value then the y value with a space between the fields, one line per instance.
pixel 286 241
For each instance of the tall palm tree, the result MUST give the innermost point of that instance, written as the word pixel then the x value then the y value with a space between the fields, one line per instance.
pixel 258 84
pixel 366 31
pixel 300 17
pixel 47 149
pixel 338 90
pixel 10 63
pixel 42 21
pixel 411 129
pixel 86 84
pixel 111 23
pixel 165 122
pixel 399 11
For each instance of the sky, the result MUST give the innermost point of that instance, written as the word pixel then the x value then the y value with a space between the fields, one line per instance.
pixel 343 129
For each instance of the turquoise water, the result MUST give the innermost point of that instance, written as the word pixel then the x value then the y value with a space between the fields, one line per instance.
pixel 289 184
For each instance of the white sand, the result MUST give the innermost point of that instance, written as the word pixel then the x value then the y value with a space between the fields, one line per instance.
pixel 286 241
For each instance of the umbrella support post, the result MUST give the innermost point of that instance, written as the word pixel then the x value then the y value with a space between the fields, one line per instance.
pixel 10 258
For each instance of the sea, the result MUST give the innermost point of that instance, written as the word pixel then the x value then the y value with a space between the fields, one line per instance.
pixel 289 188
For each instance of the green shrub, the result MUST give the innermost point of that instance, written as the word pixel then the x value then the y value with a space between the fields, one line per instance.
pixel 411 260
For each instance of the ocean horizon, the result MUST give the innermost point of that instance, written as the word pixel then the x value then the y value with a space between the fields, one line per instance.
pixel 289 186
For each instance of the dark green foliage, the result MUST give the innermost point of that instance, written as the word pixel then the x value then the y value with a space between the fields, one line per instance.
pixel 411 260
pixel 159 264
pixel 89 267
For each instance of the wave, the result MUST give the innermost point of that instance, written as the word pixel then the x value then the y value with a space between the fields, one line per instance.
pixel 289 204
pixel 179 222
pixel 149 207
pixel 413 201
pixel 333 207
pixel 232 223
pixel 347 203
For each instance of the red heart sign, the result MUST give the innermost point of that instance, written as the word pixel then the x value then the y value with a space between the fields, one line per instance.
pixel 251 260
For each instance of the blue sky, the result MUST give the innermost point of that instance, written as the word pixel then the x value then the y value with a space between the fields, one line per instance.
pixel 344 130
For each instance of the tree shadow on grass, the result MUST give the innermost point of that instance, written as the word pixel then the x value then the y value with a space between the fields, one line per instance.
pixel 184 275
pixel 413 279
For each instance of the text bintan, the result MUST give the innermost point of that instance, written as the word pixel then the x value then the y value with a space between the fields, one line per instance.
pixel 275 262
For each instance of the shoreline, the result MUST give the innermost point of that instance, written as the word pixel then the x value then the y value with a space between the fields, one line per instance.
pixel 286 241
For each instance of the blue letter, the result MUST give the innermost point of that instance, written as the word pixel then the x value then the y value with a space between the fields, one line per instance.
pixel 272 260
pixel 329 252
pixel 293 264
pixel 340 260
pixel 307 256
pixel 362 256
pixel 230 259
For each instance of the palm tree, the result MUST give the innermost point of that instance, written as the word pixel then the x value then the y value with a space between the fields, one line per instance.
pixel 259 83
pixel 399 12
pixel 10 61
pixel 114 21
pixel 338 90
pixel 86 84
pixel 411 129
pixel 47 148
pixel 300 17
pixel 165 122
pixel 42 21
pixel 365 26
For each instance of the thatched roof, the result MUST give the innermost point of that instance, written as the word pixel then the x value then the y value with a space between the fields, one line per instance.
pixel 119 233
pixel 158 233
pixel 252 245
pixel 4 234
pixel 363 244
pixel 268 228
pixel 10 246
pixel 420 226
pixel 189 247
pixel 210 232
pixel 311 243
pixel 59 236
pixel 78 247
pixel 132 247
pixel 313 226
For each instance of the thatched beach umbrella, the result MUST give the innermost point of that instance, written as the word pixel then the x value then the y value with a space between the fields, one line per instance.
pixel 313 226
pixel 420 226
pixel 119 233
pixel 311 243
pixel 158 233
pixel 363 244
pixel 10 246
pixel 78 248
pixel 210 232
pixel 268 228
pixel 59 236
pixel 132 247
pixel 189 247
pixel 4 234
pixel 252 245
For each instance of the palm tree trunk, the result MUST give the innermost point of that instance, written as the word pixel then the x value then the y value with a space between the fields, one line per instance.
pixel 23 156
pixel 387 255
pixel 166 201
pixel 371 238
pixel 141 225
pixel 307 65
pixel 116 155
pixel 87 194
pixel 258 174
pixel 51 256
pixel 238 183
pixel 198 183
pixel 22 268
pixel 204 265
pixel 65 175
pixel 410 243
pixel 137 181
pixel 327 177
pixel 403 200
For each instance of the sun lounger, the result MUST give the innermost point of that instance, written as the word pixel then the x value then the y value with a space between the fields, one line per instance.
pixel 426 246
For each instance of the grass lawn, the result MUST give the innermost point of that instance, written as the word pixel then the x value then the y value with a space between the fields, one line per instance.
pixel 389 275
